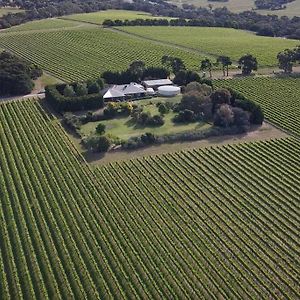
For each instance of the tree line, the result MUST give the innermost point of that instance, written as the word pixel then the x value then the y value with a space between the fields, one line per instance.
pixel 190 15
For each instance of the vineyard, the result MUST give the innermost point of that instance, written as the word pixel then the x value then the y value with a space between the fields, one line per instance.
pixel 279 98
pixel 79 54
pixel 218 41
pixel 180 225
pixel 100 16
pixel 47 24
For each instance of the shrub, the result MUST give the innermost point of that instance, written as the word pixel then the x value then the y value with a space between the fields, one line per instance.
pixel 185 116
pixel 163 109
pixel 97 143
pixel 69 91
pixel 156 120
pixel 100 129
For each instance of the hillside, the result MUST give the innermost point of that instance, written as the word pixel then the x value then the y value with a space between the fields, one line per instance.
pixel 292 9
pixel 218 41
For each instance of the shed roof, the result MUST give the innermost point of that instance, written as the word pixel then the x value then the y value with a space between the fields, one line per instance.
pixel 157 82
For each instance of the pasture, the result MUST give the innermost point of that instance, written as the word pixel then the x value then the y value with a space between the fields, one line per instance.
pixel 218 41
pixel 212 223
pixel 292 9
pixel 100 16
pixel 79 54
pixel 278 97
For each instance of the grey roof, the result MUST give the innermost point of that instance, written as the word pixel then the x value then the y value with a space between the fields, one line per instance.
pixel 157 82
pixel 118 91
pixel 132 88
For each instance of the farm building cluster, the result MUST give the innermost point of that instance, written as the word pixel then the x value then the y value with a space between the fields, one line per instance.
pixel 133 90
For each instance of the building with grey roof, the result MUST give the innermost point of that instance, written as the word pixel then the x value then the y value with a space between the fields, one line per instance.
pixel 155 84
pixel 124 92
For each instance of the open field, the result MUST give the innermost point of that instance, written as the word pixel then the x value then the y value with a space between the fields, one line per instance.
pixel 6 10
pixel 99 17
pixel 218 41
pixel 279 98
pixel 181 225
pixel 293 8
pixel 85 53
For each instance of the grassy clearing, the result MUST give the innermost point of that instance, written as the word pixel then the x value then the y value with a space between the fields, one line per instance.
pixel 124 128
pixel 99 17
pixel 85 53
pixel 219 41
pixel 279 98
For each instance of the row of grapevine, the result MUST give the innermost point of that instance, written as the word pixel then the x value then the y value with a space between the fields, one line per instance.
pixel 230 215
pixel 279 98
pixel 78 54
pixel 204 224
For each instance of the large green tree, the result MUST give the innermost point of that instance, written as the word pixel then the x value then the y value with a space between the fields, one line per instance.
pixel 248 63
pixel 226 62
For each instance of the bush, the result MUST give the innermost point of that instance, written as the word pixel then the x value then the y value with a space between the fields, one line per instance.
pixel 148 138
pixel 163 109
pixel 156 120
pixel 96 143
pixel 100 129
pixel 185 116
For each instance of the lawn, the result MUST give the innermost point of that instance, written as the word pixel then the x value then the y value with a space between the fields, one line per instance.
pixel 124 128
pixel 100 16
pixel 218 41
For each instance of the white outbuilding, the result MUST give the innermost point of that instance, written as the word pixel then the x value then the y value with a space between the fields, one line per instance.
pixel 168 90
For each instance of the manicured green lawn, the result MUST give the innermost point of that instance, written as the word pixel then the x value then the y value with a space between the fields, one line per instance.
pixel 124 128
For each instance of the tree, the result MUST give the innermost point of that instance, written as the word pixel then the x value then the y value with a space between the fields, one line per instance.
pixel 192 101
pixel 68 91
pixel 248 63
pixel 286 60
pixel 224 116
pixel 206 65
pixel 195 86
pixel 137 68
pixel 219 97
pixel 100 129
pixel 174 64
pixel 184 77
pixel 226 62
pixel 97 143
pixel 93 88
pixel 241 118
pixel 81 89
